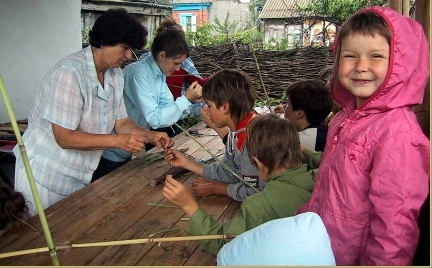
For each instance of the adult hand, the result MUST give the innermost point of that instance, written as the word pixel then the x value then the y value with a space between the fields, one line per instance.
pixel 194 92
pixel 177 193
pixel 129 142
pixel 160 139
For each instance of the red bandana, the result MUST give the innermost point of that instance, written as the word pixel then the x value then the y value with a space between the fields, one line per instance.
pixel 240 129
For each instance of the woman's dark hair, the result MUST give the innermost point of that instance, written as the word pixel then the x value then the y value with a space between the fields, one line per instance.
pixel 274 141
pixel 118 26
pixel 12 207
pixel 170 38
pixel 233 87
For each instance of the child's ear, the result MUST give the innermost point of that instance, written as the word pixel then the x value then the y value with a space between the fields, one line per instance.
pixel 300 114
pixel 226 107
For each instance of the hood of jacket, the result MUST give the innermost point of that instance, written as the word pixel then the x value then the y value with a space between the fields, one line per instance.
pixel 408 70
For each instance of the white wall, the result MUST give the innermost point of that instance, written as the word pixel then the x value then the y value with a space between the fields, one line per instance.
pixel 34 36
pixel 238 12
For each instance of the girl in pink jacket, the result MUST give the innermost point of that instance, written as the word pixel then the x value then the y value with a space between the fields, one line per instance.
pixel 374 173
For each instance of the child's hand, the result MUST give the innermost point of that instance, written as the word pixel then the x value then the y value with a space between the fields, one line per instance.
pixel 175 158
pixel 177 193
pixel 205 187
pixel 279 109
pixel 205 117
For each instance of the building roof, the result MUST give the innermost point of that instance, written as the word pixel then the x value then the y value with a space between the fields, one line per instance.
pixel 281 9
pixel 131 6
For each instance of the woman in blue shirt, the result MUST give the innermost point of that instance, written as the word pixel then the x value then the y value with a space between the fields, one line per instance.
pixel 148 100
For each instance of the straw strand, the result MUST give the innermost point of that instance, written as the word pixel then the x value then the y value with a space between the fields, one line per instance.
pixel 118 243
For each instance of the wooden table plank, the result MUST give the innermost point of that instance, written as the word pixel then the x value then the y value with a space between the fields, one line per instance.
pixel 115 208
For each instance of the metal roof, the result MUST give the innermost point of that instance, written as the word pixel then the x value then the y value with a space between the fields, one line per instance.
pixel 130 6
pixel 281 9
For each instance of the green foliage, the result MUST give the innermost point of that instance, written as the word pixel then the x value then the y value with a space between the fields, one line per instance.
pixel 270 102
pixel 274 45
pixel 85 34
pixel 254 6
pixel 205 36
pixel 202 36
pixel 339 10
pixel 190 120
pixel 226 27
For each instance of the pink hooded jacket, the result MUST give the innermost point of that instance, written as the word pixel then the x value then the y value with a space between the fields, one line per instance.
pixel 374 174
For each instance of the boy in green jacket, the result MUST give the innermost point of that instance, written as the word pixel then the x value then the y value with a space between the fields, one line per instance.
pixel 274 148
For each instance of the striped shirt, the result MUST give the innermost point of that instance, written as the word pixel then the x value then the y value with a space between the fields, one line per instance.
pixel 72 97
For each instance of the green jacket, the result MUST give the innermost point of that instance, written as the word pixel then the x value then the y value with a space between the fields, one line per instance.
pixel 281 197
pixel 312 158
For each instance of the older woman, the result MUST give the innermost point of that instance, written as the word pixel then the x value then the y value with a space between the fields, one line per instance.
pixel 148 100
pixel 78 106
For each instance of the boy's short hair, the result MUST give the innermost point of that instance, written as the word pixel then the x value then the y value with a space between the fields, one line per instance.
pixel 313 97
pixel 117 26
pixel 274 141
pixel 325 74
pixel 233 87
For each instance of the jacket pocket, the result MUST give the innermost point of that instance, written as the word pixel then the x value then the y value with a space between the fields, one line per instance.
pixel 347 233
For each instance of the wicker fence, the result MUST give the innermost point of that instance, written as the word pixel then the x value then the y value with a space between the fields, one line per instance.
pixel 277 68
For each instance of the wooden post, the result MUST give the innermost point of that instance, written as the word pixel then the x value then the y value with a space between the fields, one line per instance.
pixel 422 15
pixel 401 6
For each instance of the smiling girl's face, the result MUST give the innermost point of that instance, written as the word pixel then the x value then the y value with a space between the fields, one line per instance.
pixel 363 64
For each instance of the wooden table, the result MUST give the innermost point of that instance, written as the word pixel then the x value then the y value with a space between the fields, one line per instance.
pixel 115 208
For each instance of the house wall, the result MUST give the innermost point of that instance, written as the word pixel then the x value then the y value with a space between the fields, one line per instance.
pixel 201 15
pixel 149 15
pixel 34 36
pixel 238 12
pixel 299 35
pixel 274 29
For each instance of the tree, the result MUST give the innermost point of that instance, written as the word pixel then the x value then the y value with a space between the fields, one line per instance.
pixel 254 7
pixel 338 11
pixel 226 27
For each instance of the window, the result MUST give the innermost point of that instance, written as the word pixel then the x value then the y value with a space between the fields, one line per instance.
pixel 188 22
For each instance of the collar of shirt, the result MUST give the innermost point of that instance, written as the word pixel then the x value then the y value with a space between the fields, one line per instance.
pixel 156 67
pixel 240 130
pixel 103 90
pixel 189 67
pixel 292 172
pixel 94 82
